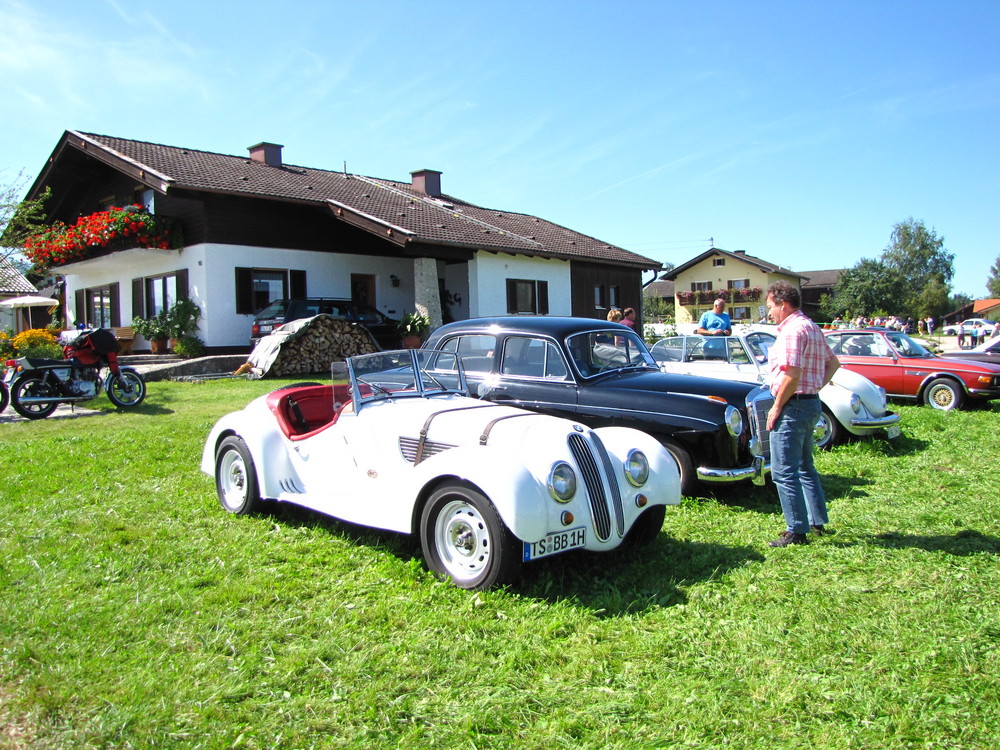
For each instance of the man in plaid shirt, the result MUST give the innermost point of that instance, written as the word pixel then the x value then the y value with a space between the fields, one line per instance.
pixel 801 364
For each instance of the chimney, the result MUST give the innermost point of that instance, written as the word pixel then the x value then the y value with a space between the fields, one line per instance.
pixel 427 181
pixel 739 252
pixel 267 153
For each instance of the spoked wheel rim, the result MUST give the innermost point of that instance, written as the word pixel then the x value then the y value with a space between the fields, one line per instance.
pixel 941 396
pixel 233 480
pixel 127 389
pixel 462 538
pixel 33 387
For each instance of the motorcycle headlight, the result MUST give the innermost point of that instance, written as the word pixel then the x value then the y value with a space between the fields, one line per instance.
pixel 734 421
pixel 562 482
pixel 637 468
pixel 855 403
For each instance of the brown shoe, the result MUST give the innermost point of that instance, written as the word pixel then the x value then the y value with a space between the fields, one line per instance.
pixel 822 531
pixel 787 538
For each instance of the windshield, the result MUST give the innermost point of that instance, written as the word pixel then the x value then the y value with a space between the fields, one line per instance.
pixel 606 351
pixel 906 346
pixel 407 372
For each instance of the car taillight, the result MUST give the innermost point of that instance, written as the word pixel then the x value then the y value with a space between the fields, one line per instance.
pixel 255 330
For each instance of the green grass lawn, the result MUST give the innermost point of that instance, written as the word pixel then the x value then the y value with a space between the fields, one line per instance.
pixel 134 612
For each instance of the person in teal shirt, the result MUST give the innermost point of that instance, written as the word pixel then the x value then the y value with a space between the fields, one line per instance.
pixel 715 322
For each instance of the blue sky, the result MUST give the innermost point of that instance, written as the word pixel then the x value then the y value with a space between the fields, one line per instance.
pixel 800 132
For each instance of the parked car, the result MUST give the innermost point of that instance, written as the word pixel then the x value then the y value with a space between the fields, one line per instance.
pixel 967 327
pixel 486 487
pixel 906 369
pixel 281 311
pixel 852 404
pixel 987 352
pixel 602 374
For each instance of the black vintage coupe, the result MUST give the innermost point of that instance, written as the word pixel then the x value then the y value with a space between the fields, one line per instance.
pixel 602 374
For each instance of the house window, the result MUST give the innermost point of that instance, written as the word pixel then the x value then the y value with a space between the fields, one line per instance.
pixel 701 286
pixel 718 261
pixel 256 288
pixel 527 297
pixel 615 296
pixel 161 293
pixel 739 313
pixel 144 198
pixel 739 283
pixel 98 310
pixel 600 302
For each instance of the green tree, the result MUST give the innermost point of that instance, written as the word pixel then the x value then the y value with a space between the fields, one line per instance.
pixel 917 255
pixel 870 287
pixel 932 300
pixel 19 219
pixel 993 282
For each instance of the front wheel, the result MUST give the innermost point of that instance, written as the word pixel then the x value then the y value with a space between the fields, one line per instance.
pixel 30 387
pixel 236 478
pixel 685 466
pixel 464 539
pixel 646 527
pixel 126 389
pixel 828 431
pixel 943 394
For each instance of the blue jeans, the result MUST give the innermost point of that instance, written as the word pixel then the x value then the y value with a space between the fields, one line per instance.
pixel 792 471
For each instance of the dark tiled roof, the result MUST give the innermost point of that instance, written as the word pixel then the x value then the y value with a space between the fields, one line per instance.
pixel 445 220
pixel 659 289
pixel 826 278
pixel 12 282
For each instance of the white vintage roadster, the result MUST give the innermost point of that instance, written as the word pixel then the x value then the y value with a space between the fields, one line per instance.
pixel 486 487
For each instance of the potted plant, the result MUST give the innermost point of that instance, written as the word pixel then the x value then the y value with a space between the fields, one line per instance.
pixel 182 319
pixel 155 330
pixel 412 328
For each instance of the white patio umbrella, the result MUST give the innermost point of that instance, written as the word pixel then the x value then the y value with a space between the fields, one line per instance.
pixel 25 302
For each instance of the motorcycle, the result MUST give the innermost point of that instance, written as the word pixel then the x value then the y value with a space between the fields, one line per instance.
pixel 37 386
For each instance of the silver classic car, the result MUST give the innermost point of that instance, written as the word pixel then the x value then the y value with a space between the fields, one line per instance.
pixel 852 404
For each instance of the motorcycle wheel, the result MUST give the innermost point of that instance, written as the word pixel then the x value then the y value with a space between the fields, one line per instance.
pixel 126 389
pixel 32 386
pixel 4 397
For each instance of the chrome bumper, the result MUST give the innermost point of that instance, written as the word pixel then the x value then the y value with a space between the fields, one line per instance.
pixel 879 423
pixel 757 472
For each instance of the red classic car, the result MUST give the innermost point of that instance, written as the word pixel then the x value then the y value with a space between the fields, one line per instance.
pixel 906 369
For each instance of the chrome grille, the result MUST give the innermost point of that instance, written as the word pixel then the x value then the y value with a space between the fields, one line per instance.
pixel 408 447
pixel 757 407
pixel 590 465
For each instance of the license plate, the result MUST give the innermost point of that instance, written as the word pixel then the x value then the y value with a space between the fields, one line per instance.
pixel 893 431
pixel 556 542
pixel 266 329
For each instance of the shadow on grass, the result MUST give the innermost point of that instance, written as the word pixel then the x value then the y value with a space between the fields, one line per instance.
pixel 611 584
pixel 765 499
pixel 962 543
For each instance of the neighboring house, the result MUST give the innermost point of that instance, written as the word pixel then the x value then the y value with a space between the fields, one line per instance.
pixel 980 308
pixel 257 229
pixel 738 278
pixel 815 285
pixel 14 284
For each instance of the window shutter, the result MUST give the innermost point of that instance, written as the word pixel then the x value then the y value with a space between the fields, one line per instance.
pixel 81 306
pixel 297 282
pixel 182 284
pixel 138 298
pixel 113 294
pixel 511 297
pixel 543 298
pixel 244 291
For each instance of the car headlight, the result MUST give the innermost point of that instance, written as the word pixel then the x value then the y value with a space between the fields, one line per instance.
pixel 562 482
pixel 637 468
pixel 734 421
pixel 882 398
pixel 855 403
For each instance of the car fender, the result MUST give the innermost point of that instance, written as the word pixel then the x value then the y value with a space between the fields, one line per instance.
pixel 254 424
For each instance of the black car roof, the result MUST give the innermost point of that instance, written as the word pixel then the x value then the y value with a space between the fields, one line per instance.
pixel 557 327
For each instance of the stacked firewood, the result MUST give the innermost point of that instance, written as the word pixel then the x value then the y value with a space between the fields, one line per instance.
pixel 312 349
